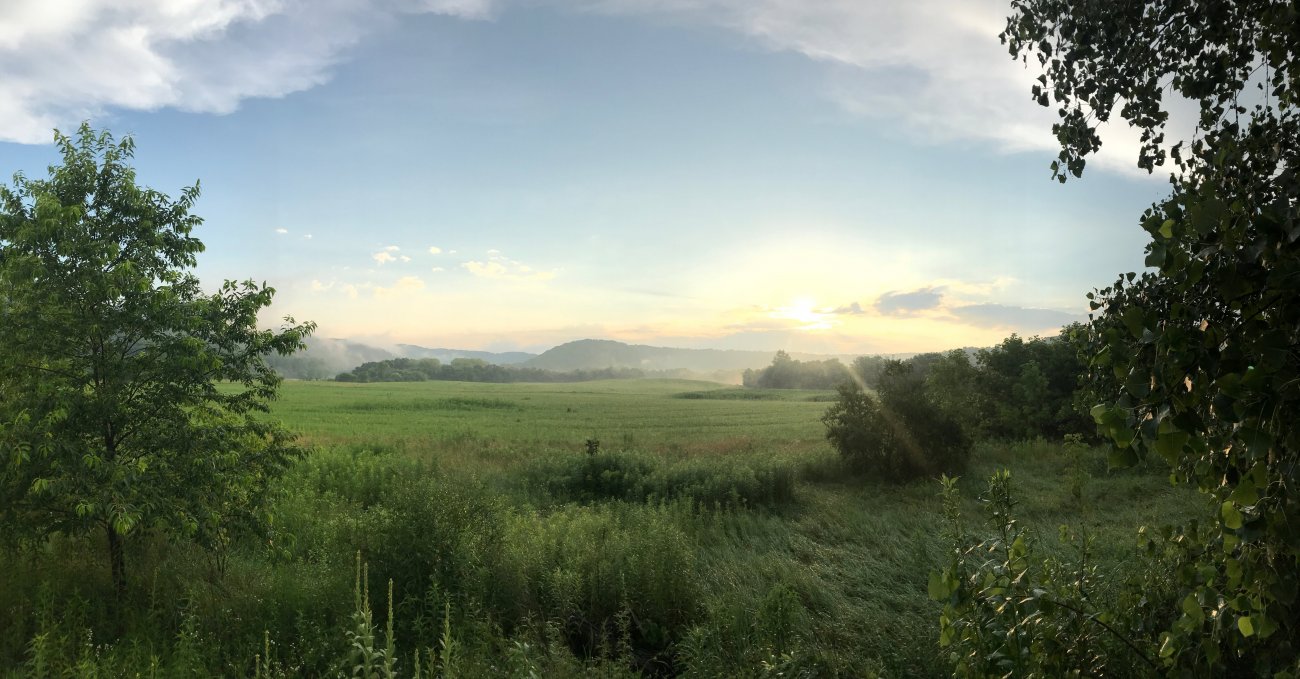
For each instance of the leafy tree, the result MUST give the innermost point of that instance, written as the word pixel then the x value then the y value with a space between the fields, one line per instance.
pixel 901 434
pixel 112 417
pixel 1016 390
pixel 954 385
pixel 782 374
pixel 868 368
pixel 1198 360
pixel 788 373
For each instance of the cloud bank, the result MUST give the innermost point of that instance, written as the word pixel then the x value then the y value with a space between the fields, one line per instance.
pixel 934 66
pixel 500 267
pixel 74 59
pixel 1002 316
pixel 903 303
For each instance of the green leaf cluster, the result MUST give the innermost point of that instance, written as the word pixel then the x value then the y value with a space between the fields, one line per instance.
pixel 898 434
pixel 113 416
pixel 1197 360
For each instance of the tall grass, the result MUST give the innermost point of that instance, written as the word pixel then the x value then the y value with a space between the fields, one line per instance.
pixel 741 551
pixel 755 481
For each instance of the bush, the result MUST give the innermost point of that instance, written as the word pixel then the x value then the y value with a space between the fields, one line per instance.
pixel 608 576
pixel 593 477
pixel 898 437
pixel 1008 610
pixel 437 540
pixel 635 477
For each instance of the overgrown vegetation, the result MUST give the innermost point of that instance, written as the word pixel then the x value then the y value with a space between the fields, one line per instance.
pixel 926 409
pixel 708 483
pixel 710 535
pixel 1195 362
pixel 1018 389
pixel 730 540
pixel 898 435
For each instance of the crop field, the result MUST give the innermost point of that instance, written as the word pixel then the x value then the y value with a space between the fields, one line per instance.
pixel 713 533
pixel 660 411
pixel 472 426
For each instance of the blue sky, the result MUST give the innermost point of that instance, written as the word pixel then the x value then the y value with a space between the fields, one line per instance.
pixel 818 176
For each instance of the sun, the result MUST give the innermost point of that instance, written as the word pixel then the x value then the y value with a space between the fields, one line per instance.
pixel 804 310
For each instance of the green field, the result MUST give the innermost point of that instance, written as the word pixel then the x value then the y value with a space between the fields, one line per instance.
pixel 660 411
pixel 714 534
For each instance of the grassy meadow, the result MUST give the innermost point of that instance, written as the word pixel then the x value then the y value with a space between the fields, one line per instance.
pixel 712 533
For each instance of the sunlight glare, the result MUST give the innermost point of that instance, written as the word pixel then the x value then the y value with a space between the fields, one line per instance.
pixel 804 310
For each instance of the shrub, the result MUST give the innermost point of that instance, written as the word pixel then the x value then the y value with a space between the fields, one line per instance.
pixel 898 437
pixel 712 482
pixel 635 477
pixel 1007 611
pixel 598 475
pixel 608 575
pixel 436 540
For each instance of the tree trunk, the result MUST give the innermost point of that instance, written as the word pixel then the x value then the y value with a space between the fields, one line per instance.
pixel 117 559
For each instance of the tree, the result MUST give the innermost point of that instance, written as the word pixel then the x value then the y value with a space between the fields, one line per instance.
pixel 954 384
pixel 1198 359
pixel 112 415
pixel 788 373
pixel 900 434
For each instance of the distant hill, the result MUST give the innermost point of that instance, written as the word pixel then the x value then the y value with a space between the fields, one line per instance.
pixel 447 355
pixel 590 354
pixel 326 357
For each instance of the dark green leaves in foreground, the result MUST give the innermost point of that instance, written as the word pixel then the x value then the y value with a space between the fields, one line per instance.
pixel 1197 361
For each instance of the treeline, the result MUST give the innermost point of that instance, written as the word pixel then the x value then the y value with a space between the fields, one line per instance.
pixel 788 373
pixel 899 420
pixel 472 370
pixel 1021 388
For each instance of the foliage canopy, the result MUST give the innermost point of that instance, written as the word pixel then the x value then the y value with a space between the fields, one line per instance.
pixel 111 417
pixel 1198 360
pixel 899 435
pixel 789 373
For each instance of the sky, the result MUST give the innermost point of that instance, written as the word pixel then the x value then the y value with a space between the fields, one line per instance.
pixel 831 176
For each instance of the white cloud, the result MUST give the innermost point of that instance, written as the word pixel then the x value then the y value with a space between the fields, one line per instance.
pixel 282 231
pixel 499 268
pixel 70 60
pixel 389 254
pixel 350 290
pixel 468 9
pixel 436 269
pixel 486 269
pixel 404 285
pixel 435 250
pixel 306 236
pixel 936 66
pixel 317 286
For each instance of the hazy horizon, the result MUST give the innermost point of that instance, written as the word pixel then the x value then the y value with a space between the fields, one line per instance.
pixel 506 347
pixel 835 178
